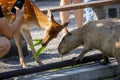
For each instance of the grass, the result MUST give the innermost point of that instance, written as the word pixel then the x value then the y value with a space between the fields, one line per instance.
pixel 67 67
pixel 40 50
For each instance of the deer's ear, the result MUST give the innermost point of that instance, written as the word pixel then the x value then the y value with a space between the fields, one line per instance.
pixel 50 15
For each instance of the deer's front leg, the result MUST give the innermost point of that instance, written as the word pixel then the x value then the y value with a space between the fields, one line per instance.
pixel 28 38
pixel 18 41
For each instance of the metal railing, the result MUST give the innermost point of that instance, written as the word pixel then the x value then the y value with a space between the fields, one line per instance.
pixel 71 62
pixel 82 5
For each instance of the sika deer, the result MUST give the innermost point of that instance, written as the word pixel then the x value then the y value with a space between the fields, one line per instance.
pixel 32 17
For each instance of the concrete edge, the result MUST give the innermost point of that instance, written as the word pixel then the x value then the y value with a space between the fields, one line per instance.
pixel 89 72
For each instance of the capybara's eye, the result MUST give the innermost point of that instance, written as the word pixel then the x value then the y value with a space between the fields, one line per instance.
pixel 63 38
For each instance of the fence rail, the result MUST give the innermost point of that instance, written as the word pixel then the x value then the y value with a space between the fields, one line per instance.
pixel 82 5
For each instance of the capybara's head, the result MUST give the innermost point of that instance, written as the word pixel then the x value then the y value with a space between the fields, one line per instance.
pixel 70 41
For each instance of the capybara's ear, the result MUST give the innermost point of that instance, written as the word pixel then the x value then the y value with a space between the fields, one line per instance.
pixel 65 24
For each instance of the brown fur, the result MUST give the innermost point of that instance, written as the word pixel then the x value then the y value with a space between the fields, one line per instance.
pixel 32 17
pixel 103 35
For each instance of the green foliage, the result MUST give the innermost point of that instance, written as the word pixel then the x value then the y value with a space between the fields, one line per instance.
pixel 37 42
pixel 40 50
pixel 68 67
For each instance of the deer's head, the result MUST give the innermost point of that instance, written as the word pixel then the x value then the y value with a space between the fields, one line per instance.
pixel 52 30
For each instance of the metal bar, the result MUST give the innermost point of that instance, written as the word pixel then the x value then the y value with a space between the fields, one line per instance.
pixel 82 5
pixel 50 66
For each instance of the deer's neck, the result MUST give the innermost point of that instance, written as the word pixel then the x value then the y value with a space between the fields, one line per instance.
pixel 42 19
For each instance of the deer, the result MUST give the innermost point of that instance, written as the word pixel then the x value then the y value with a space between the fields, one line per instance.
pixel 33 16
pixel 103 35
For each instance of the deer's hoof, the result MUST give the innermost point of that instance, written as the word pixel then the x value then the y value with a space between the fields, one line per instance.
pixel 23 65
